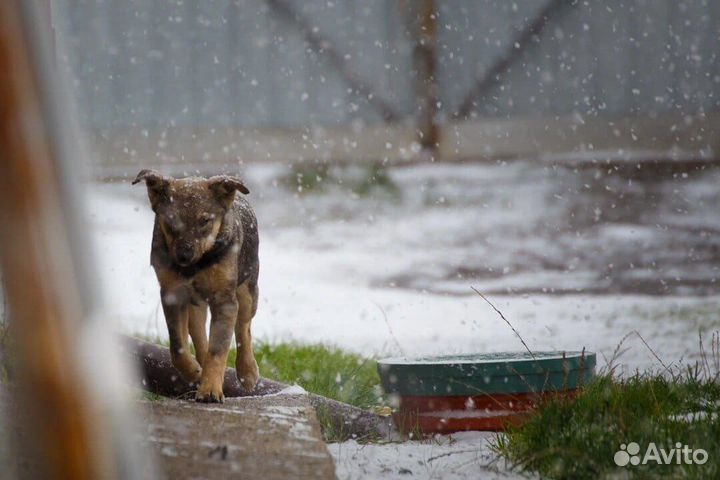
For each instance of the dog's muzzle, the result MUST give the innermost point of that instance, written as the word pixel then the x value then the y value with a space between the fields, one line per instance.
pixel 184 255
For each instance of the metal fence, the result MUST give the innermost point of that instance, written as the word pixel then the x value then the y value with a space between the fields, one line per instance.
pixel 289 63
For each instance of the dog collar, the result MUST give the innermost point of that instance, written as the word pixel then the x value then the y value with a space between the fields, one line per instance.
pixel 211 257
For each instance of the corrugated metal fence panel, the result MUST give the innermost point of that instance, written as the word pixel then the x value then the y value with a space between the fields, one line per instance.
pixel 231 62
pixel 471 37
pixel 371 38
pixel 150 63
pixel 615 56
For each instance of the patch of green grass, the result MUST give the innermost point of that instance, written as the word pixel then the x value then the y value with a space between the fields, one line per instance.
pixel 578 439
pixel 327 371
pixel 362 180
pixel 308 178
pixel 373 179
pixel 323 370
pixel 153 397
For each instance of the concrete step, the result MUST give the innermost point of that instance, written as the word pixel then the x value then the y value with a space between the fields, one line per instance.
pixel 270 437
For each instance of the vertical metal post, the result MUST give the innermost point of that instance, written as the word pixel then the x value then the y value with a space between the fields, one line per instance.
pixel 424 21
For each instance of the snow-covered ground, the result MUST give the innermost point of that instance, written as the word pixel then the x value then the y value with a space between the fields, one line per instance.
pixel 574 258
pixel 448 457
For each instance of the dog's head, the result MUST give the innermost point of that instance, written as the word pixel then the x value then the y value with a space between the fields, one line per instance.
pixel 190 211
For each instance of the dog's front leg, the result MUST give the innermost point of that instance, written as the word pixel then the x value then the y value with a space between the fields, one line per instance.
pixel 197 318
pixel 223 313
pixel 176 317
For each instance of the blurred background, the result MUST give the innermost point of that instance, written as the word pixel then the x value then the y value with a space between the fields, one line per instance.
pixel 225 81
pixel 560 156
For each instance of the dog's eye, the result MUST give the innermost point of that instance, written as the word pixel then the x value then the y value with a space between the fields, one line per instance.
pixel 204 222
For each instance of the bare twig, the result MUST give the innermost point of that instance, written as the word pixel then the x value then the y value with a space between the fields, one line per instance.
pixel 447 454
pixel 617 353
pixel 704 356
pixel 506 320
pixel 667 369
pixel 392 334
pixel 716 352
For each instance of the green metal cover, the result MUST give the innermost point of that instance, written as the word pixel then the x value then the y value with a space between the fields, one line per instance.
pixel 488 373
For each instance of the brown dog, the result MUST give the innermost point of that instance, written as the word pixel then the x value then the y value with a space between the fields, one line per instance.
pixel 205 253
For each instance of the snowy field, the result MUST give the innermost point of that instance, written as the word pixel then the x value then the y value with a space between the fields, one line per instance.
pixel 461 456
pixel 573 258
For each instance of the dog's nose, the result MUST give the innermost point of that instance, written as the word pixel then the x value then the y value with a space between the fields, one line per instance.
pixel 184 255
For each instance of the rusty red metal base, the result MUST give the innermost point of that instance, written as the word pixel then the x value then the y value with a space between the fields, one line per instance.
pixel 462 413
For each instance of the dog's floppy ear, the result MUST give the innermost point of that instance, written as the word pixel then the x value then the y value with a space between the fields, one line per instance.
pixel 224 187
pixel 152 178
pixel 156 184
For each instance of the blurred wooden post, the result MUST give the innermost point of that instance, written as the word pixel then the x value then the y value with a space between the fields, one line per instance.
pixel 424 21
pixel 60 423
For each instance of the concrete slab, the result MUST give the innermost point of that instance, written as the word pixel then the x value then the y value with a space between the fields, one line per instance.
pixel 270 437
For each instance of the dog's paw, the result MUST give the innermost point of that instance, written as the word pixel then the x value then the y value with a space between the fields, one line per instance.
pixel 247 374
pixel 193 376
pixel 189 369
pixel 209 394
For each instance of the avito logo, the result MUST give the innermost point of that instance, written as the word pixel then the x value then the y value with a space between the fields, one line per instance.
pixel 680 455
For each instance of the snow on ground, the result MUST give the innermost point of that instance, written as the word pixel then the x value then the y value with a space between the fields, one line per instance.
pixel 448 457
pixel 390 274
pixel 574 258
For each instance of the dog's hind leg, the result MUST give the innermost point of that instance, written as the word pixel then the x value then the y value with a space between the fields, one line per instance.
pixel 176 317
pixel 196 323
pixel 246 367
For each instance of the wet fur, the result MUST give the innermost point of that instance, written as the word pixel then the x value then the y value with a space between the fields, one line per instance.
pixel 205 256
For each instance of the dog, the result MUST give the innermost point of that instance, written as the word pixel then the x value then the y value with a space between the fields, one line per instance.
pixel 205 254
